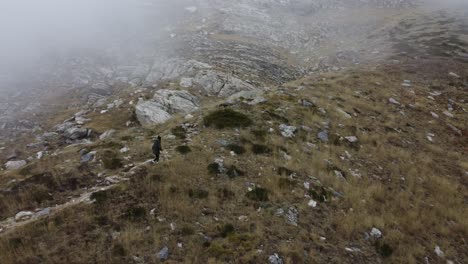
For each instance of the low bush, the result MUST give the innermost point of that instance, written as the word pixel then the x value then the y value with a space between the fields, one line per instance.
pixel 258 194
pixel 260 149
pixel 227 118
pixel 184 150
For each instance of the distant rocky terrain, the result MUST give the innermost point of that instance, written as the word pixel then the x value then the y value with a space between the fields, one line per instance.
pixel 293 132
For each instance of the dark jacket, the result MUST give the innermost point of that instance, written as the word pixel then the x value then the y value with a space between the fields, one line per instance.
pixel 157 146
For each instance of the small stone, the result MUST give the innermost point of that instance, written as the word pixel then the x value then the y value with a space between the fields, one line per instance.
pixel 243 218
pixel 352 249
pixel 292 216
pixel 343 113
pixel 312 203
pixel 376 233
pixel 352 139
pixel 452 74
pixel 23 215
pixel 447 113
pixel 439 252
pixel 434 115
pixel 323 136
pixel 393 101
pixel 107 134
pixel 163 254
pixel 287 131
pixel 124 150
pixel 15 164
pixel 307 185
pixel 275 259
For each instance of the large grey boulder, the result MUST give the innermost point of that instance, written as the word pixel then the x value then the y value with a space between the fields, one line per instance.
pixel 171 69
pixel 220 84
pixel 76 133
pixel 15 164
pixel 164 104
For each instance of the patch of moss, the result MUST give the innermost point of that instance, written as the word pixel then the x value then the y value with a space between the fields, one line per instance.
pixel 233 172
pixel 321 195
pixel 238 149
pixel 286 183
pixel 135 213
pixel 227 118
pixel 384 249
pixel 198 193
pixel 260 149
pixel 184 150
pixel 214 169
pixel 111 160
pixel 259 134
pixel 258 194
pixel 179 132
pixel 227 230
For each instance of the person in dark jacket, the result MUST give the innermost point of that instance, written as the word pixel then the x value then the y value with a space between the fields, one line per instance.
pixel 157 148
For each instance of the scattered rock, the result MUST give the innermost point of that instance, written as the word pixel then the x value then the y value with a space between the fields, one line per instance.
pixel 76 133
pixel 43 212
pixel 306 103
pixel 15 164
pixel 323 136
pixel 439 252
pixel 312 203
pixel 393 101
pixel 287 131
pixel 434 115
pixel 275 259
pixel 164 104
pixel 23 216
pixel 376 233
pixel 292 216
pixel 88 157
pixel 163 254
pixel 452 74
pixel 186 82
pixel 447 113
pixel 107 134
pixel 352 139
pixel 343 113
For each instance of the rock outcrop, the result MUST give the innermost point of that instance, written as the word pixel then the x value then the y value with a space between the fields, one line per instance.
pixel 164 104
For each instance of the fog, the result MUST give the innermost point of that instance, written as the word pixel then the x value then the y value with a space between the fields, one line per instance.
pixel 32 30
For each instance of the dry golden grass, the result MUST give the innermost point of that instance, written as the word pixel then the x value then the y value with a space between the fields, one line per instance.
pixel 410 189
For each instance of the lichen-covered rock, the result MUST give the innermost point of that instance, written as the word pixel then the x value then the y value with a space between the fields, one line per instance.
pixel 164 104
pixel 15 164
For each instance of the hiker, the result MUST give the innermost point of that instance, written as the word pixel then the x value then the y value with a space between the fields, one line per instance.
pixel 157 148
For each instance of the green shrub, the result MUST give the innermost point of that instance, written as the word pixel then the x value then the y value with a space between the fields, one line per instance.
pixel 136 213
pixel 227 118
pixel 238 149
pixel 187 231
pixel 383 249
pixel 39 193
pixel 259 134
pixel 214 169
pixel 227 230
pixel 258 194
pixel 198 193
pixel 111 161
pixel 224 194
pixel 183 149
pixel 179 132
pixel 233 172
pixel 286 183
pixel 285 171
pixel 322 195
pixel 260 149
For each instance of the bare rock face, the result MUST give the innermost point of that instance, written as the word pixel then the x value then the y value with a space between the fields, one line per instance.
pixel 220 84
pixel 15 164
pixel 164 104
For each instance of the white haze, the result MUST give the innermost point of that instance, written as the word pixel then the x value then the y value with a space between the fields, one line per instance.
pixel 31 29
